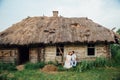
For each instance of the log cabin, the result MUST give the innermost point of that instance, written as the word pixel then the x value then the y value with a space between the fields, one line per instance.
pixel 44 38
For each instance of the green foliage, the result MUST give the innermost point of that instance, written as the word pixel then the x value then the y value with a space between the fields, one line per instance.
pixel 34 65
pixel 7 76
pixel 118 31
pixel 100 62
pixel 84 65
pixel 116 77
pixel 61 68
pixel 54 63
pixel 94 74
pixel 90 73
pixel 115 51
pixel 7 66
pixel 88 65
pixel 3 76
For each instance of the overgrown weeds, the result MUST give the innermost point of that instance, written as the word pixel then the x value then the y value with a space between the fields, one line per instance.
pixel 34 65
pixel 91 64
pixel 7 66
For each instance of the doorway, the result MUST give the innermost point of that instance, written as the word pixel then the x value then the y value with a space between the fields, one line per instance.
pixel 23 54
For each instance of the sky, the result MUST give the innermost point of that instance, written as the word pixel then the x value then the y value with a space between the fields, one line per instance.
pixel 104 12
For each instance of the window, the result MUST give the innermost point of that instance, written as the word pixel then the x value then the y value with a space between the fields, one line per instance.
pixel 59 50
pixel 91 50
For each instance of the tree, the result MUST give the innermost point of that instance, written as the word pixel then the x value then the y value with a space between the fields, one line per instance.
pixel 115 50
pixel 118 31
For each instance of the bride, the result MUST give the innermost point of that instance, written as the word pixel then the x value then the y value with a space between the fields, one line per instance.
pixel 68 61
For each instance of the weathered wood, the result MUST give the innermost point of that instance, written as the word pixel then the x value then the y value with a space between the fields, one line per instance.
pixel 33 55
pixel 49 53
pixel 36 54
pixel 9 55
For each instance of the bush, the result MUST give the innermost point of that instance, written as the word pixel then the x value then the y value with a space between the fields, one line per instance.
pixel 7 76
pixel 87 65
pixel 61 68
pixel 3 76
pixel 116 77
pixel 100 62
pixel 54 63
pixel 34 65
pixel 7 66
pixel 115 51
pixel 84 65
pixel 41 64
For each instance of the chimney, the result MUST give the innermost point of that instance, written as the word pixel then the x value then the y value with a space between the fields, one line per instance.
pixel 55 13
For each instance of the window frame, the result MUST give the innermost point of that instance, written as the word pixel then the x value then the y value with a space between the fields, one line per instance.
pixel 58 51
pixel 91 46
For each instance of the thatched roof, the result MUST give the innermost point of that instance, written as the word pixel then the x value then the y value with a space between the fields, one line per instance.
pixel 46 30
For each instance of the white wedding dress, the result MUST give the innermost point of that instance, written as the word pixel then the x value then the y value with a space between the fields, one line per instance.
pixel 68 62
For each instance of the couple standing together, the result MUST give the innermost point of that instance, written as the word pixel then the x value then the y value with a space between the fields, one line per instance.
pixel 70 60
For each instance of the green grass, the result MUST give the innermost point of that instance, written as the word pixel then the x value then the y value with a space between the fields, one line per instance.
pixel 7 66
pixel 34 65
pixel 100 69
pixel 101 73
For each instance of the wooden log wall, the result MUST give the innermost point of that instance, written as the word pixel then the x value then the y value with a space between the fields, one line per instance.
pixel 9 55
pixel 80 51
pixel 50 53
pixel 36 55
pixel 101 50
pixel 33 55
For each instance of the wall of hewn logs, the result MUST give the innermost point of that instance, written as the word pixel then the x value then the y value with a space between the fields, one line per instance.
pixel 36 54
pixel 9 55
pixel 49 53
pixel 101 50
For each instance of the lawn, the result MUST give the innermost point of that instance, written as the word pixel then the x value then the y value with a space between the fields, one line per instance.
pixel 101 73
pixel 99 69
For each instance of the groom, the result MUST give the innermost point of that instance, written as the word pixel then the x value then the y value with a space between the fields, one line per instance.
pixel 73 57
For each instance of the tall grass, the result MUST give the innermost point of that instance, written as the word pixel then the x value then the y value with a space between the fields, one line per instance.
pixel 101 62
pixel 7 66
pixel 87 65
pixel 115 50
pixel 95 74
pixel 34 65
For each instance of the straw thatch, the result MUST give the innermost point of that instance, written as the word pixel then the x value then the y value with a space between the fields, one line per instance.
pixel 46 30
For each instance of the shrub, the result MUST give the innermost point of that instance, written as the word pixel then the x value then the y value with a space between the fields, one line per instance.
pixel 115 51
pixel 30 66
pixel 7 76
pixel 61 68
pixel 7 66
pixel 101 62
pixel 116 77
pixel 84 65
pixel 54 63
pixel 41 64
pixel 3 76
pixel 87 65
pixel 34 65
